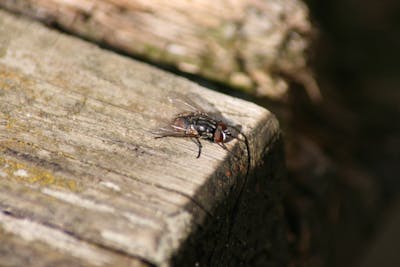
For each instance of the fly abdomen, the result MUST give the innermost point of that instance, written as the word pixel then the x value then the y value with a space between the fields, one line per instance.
pixel 206 127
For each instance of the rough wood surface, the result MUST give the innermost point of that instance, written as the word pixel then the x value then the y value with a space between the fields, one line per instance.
pixel 253 44
pixel 83 181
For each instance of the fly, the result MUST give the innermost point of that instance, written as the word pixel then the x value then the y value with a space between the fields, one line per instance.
pixel 197 125
pixel 200 125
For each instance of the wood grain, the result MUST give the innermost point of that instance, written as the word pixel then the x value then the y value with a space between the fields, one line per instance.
pixel 251 44
pixel 83 179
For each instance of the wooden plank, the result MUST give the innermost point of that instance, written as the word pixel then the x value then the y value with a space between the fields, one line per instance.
pixel 247 44
pixel 81 171
pixel 23 242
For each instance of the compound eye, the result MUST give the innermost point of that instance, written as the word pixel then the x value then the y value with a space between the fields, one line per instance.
pixel 219 135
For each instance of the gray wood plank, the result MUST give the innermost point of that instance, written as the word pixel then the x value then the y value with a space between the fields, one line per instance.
pixel 28 243
pixel 246 43
pixel 79 163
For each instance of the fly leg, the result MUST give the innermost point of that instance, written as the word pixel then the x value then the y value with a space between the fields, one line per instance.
pixel 198 143
pixel 223 146
pixel 226 148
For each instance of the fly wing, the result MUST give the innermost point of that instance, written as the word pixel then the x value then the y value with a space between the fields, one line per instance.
pixel 207 107
pixel 170 130
pixel 177 103
pixel 167 131
pixel 194 103
pixel 184 102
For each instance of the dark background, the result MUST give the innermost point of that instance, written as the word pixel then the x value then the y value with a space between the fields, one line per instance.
pixel 359 58
pixel 343 153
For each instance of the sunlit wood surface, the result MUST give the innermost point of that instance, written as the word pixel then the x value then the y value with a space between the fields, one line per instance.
pixel 84 182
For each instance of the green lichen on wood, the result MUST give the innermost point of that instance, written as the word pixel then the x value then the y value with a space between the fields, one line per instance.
pixel 23 173
pixel 3 49
pixel 157 54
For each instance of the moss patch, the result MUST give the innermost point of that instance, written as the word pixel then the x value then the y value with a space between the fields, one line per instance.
pixel 23 173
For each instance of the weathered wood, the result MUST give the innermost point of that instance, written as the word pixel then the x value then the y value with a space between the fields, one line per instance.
pixel 82 179
pixel 246 43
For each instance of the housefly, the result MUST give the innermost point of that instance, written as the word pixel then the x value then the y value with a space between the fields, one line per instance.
pixel 196 124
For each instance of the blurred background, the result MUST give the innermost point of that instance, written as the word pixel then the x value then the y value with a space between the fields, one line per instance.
pixel 343 154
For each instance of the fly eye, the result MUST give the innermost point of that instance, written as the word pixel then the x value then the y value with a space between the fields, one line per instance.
pixel 219 135
pixel 223 136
